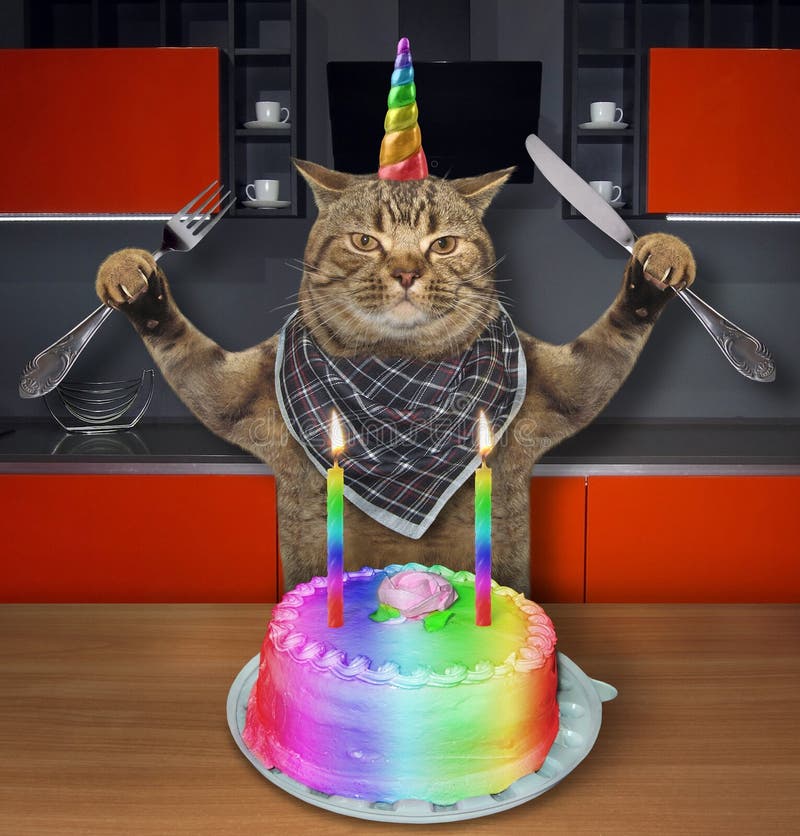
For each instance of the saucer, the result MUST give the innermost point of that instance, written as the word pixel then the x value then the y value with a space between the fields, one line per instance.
pixel 266 204
pixel 617 204
pixel 603 126
pixel 269 126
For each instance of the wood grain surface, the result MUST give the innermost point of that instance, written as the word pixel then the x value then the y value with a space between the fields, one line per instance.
pixel 112 721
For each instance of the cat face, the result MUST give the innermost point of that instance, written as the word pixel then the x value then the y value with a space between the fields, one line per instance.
pixel 398 268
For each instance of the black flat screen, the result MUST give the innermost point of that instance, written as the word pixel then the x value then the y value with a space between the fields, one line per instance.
pixel 474 116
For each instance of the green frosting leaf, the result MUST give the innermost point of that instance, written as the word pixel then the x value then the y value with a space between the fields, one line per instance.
pixel 436 620
pixel 385 613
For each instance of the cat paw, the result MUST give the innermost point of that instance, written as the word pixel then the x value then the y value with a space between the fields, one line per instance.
pixel 123 277
pixel 665 261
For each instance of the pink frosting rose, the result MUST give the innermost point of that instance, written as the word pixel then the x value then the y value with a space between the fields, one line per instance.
pixel 416 593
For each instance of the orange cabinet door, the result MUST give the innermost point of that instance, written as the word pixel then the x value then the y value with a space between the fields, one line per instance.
pixel 107 130
pixel 693 539
pixel 153 538
pixel 721 135
pixel 557 520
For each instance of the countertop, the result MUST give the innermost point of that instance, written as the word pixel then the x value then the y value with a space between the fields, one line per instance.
pixel 112 721
pixel 604 447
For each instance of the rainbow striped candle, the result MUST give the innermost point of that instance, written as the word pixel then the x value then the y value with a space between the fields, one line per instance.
pixel 336 528
pixel 483 529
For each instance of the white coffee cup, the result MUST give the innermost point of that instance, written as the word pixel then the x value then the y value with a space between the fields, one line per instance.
pixel 263 190
pixel 271 112
pixel 605 112
pixel 607 190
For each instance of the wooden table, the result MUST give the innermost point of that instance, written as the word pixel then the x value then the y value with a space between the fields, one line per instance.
pixel 112 720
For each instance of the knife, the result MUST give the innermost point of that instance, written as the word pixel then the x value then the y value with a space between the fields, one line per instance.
pixel 744 352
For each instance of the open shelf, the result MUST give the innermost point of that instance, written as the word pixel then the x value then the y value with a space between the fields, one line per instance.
pixel 607 44
pixel 260 43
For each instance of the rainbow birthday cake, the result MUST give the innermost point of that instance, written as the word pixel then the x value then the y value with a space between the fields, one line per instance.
pixel 409 699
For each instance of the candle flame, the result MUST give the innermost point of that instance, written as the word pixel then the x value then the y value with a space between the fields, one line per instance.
pixel 485 440
pixel 337 436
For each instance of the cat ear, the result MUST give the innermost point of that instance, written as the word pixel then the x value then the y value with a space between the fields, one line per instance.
pixel 326 184
pixel 479 191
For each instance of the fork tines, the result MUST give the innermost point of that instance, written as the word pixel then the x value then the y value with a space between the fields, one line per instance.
pixel 205 218
pixel 184 210
pixel 219 201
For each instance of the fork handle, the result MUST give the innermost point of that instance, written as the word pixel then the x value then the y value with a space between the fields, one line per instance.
pixel 51 365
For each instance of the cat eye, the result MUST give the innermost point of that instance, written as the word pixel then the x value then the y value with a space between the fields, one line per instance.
pixel 363 242
pixel 445 245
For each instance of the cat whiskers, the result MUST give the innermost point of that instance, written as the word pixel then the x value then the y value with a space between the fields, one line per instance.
pixel 313 270
pixel 470 310
pixel 462 314
pixel 325 312
pixel 299 264
pixel 292 304
pixel 470 277
pixel 487 295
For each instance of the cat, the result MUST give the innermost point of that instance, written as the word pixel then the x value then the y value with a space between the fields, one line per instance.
pixel 399 269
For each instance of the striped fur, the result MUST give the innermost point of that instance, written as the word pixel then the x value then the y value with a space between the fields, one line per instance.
pixel 400 299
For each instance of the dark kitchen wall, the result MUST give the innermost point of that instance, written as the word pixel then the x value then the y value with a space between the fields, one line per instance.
pixel 559 275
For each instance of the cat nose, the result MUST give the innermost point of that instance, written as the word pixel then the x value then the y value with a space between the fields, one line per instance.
pixel 406 277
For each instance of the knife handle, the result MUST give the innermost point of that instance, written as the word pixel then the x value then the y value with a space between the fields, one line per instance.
pixel 743 351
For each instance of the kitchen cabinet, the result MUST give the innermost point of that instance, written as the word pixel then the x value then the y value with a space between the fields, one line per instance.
pixel 138 538
pixel 703 539
pixel 260 42
pixel 94 134
pixel 155 537
pixel 558 538
pixel 607 58
pixel 740 155
pixel 134 537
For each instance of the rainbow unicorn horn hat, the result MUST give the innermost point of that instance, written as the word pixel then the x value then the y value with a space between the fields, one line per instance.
pixel 402 157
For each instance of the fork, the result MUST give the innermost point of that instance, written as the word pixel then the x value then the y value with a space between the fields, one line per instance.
pixel 182 232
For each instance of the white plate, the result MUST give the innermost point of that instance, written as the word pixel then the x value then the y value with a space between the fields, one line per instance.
pixel 266 204
pixel 604 126
pixel 579 702
pixel 269 126
pixel 617 204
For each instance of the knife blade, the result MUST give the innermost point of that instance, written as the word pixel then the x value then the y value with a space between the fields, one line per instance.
pixel 743 351
pixel 579 193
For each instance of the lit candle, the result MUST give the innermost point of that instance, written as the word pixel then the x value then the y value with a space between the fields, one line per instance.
pixel 483 528
pixel 336 528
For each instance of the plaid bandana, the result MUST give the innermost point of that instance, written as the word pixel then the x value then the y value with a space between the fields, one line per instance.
pixel 409 425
